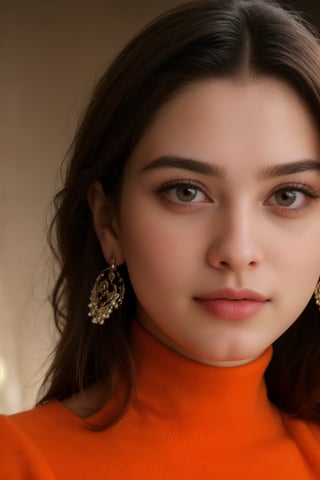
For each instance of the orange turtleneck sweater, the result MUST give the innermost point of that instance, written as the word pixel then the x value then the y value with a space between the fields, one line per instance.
pixel 187 421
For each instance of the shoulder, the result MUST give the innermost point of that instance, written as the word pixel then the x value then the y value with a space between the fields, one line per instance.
pixel 46 424
pixel 307 437
pixel 37 419
pixel 30 441
pixel 71 411
pixel 40 426
pixel 306 430
pixel 19 457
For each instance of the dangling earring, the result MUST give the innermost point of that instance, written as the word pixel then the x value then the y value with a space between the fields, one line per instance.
pixel 106 295
pixel 317 294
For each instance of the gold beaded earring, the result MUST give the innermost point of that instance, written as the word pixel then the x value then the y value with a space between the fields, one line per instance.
pixel 317 294
pixel 107 294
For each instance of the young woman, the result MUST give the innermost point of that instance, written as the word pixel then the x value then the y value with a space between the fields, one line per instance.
pixel 189 222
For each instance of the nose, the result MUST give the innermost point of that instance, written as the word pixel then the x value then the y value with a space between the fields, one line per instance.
pixel 235 244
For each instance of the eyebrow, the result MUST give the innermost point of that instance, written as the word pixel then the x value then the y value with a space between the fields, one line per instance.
pixel 173 161
pixel 204 168
pixel 290 168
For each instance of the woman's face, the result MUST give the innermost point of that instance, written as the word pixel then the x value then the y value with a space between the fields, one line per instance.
pixel 219 220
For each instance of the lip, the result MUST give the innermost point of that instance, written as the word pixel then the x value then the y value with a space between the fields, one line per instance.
pixel 233 294
pixel 232 304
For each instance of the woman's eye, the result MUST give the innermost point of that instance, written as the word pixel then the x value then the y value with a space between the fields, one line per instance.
pixel 185 193
pixel 291 198
pixel 182 193
pixel 288 198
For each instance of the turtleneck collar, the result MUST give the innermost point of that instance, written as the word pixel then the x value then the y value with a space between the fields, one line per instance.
pixel 186 421
pixel 171 385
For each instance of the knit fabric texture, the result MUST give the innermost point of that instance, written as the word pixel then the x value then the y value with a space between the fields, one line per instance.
pixel 187 421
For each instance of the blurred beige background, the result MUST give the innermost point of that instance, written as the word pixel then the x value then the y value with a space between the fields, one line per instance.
pixel 52 53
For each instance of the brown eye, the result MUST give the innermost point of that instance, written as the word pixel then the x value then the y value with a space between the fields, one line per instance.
pixel 186 194
pixel 183 194
pixel 292 197
pixel 286 198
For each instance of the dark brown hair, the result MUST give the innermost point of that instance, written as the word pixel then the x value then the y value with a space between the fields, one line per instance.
pixel 199 40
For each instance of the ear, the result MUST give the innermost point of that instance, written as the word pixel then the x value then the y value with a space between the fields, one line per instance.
pixel 105 223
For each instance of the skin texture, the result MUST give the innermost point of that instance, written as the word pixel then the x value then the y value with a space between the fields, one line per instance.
pixel 236 227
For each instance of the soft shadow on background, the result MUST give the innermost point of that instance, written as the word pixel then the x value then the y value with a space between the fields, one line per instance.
pixel 51 55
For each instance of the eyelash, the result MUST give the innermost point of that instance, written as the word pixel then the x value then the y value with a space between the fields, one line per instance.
pixel 290 187
pixel 295 187
pixel 167 187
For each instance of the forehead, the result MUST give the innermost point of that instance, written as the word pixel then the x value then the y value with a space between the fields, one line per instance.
pixel 219 118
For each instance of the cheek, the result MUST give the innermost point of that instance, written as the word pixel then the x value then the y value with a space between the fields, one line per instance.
pixel 151 248
pixel 298 268
pixel 293 247
pixel 304 255
pixel 158 248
